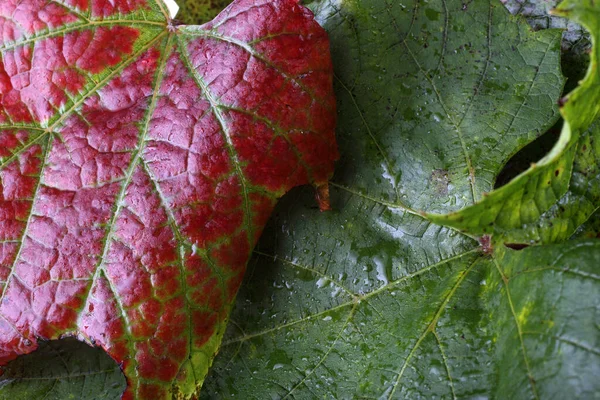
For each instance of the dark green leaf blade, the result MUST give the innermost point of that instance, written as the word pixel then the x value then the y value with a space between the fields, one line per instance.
pixel 436 97
pixel 335 304
pixel 312 323
pixel 544 306
pixel 523 210
pixel 63 369
pixel 348 305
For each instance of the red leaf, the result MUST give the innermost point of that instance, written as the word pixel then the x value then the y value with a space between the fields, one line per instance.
pixel 138 165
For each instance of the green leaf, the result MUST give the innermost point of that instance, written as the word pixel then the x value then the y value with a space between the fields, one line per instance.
pixel 518 210
pixel 78 372
pixel 509 210
pixel 543 306
pixel 337 307
pixel 576 207
pixel 372 300
pixel 434 99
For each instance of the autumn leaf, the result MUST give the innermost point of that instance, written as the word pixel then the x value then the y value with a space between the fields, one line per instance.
pixel 139 162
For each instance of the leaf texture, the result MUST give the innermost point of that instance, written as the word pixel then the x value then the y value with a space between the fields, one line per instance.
pixel 375 301
pixel 63 369
pixel 139 161
pixel 525 209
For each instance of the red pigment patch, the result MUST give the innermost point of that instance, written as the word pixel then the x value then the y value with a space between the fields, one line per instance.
pixel 107 8
pixel 136 232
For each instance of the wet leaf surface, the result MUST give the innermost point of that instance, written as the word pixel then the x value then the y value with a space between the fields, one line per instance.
pixel 78 372
pixel 373 300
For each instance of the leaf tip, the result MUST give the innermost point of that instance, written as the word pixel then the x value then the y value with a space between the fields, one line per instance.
pixel 323 196
pixel 562 101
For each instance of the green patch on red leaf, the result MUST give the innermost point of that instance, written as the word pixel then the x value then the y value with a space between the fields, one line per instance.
pixel 139 162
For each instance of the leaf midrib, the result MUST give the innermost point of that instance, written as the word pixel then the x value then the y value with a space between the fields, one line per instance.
pixel 50 33
pixel 356 298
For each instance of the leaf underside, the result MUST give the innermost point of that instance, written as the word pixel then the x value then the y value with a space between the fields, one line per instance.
pixel 139 162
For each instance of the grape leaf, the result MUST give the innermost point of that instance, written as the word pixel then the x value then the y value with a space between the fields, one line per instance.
pixel 373 300
pixel 78 371
pixel 539 15
pixel 139 162
pixel 530 213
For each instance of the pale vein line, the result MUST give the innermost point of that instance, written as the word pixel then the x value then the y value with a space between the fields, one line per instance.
pixel 445 359
pixel 226 135
pixel 22 127
pixel 71 10
pixel 519 331
pixel 565 340
pixel 277 130
pixel 576 272
pixel 358 298
pixel 163 8
pixel 458 131
pixel 19 151
pixel 134 57
pixel 83 374
pixel 135 158
pixel 312 270
pixel 28 223
pixel 120 199
pixel 380 149
pixel 181 256
pixel 485 68
pixel 288 324
pixel 76 27
pixel 399 206
pixel 378 201
pixel 445 34
pixel 533 81
pixel 324 357
pixel 438 95
pixel 431 326
pixel 66 114
pixel 252 52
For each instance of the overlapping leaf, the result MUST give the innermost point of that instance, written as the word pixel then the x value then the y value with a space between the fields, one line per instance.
pixel 372 300
pixel 139 161
pixel 524 210
pixel 63 369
